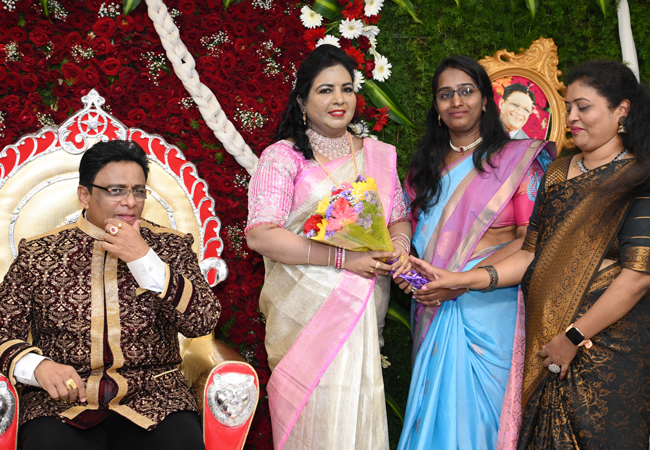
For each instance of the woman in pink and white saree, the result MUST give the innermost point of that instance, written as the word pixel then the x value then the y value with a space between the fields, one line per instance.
pixel 324 306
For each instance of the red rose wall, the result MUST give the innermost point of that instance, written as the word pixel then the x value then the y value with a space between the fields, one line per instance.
pixel 247 55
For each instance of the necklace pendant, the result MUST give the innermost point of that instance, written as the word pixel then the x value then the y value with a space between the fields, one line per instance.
pixel 462 151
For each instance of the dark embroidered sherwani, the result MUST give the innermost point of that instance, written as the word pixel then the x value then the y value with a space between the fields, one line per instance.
pixel 85 309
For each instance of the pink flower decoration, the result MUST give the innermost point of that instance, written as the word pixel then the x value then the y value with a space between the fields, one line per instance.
pixel 342 215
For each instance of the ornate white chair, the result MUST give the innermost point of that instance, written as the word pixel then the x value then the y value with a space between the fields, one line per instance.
pixel 38 180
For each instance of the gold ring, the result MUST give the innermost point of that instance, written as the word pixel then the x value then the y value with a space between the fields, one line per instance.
pixel 71 385
pixel 402 258
pixel 113 230
pixel 372 270
pixel 119 225
pixel 377 265
pixel 438 302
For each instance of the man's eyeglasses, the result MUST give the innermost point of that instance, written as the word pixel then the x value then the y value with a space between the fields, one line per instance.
pixel 448 94
pixel 122 193
pixel 517 106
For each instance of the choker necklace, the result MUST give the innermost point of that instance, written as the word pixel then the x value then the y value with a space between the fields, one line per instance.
pixel 583 168
pixel 462 150
pixel 330 148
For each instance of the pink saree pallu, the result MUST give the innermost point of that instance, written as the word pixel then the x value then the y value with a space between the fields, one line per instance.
pixel 322 332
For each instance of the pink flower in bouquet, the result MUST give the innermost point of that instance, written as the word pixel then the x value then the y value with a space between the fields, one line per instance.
pixel 342 214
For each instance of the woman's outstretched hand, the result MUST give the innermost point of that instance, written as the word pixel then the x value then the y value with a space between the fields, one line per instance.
pixel 441 288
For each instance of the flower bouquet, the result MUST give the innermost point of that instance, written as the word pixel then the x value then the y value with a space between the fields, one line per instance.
pixel 352 218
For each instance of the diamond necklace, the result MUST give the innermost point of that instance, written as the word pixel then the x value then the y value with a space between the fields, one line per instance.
pixel 330 148
pixel 583 168
pixel 462 150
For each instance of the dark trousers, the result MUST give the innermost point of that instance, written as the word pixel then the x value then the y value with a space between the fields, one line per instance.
pixel 178 431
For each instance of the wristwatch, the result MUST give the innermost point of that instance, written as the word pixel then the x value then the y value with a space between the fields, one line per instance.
pixel 577 338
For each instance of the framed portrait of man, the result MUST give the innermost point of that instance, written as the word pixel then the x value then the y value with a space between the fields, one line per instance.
pixel 528 92
pixel 523 107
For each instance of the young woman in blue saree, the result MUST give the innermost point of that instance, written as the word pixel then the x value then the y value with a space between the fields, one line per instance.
pixel 472 191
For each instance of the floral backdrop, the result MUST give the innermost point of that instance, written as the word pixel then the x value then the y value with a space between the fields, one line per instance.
pixel 247 54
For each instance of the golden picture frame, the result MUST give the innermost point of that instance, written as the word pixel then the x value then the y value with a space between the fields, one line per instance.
pixel 535 69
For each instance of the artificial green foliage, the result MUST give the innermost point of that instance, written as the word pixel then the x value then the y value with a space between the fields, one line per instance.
pixel 129 5
pixel 478 28
pixel 604 6
pixel 326 8
pixel 532 6
pixel 46 10
pixel 409 8
pixel 396 312
pixel 381 95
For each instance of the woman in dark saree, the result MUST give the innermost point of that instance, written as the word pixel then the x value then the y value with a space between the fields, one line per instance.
pixel 585 272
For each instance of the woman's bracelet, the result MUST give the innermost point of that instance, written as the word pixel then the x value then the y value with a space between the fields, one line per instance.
pixel 309 251
pixel 405 243
pixel 408 239
pixel 399 241
pixel 338 259
pixel 494 278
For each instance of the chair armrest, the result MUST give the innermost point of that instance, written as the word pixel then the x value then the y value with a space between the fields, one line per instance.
pixel 8 415
pixel 227 391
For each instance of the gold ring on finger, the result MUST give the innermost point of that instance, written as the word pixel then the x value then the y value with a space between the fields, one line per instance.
pixel 113 230
pixel 119 225
pixel 377 265
pixel 438 302
pixel 372 270
pixel 70 385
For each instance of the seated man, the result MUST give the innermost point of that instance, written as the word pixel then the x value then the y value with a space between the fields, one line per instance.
pixel 104 299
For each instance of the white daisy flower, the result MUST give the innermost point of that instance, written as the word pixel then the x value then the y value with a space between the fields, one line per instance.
pixel 328 39
pixel 381 71
pixel 373 7
pixel 351 29
pixel 309 18
pixel 370 31
pixel 358 80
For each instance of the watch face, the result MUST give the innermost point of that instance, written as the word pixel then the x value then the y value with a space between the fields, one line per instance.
pixel 575 336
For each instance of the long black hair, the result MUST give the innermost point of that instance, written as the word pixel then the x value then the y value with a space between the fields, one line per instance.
pixel 292 125
pixel 424 174
pixel 616 82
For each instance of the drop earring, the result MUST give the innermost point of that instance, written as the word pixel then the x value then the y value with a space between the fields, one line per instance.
pixel 621 125
pixel 304 119
pixel 484 109
pixel 439 123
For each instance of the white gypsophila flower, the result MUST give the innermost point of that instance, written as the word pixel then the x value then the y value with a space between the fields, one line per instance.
pixel 381 71
pixel 358 80
pixel 370 31
pixel 309 18
pixel 328 39
pixel 373 7
pixel 351 29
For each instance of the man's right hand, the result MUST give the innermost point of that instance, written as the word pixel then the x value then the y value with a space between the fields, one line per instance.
pixel 52 377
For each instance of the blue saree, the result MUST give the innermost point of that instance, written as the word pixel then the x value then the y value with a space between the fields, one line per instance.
pixel 463 350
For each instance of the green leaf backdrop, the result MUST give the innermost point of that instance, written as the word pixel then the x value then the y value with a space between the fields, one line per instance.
pixel 477 28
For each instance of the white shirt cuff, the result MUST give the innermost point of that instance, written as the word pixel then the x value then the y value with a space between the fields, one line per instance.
pixel 149 271
pixel 25 367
